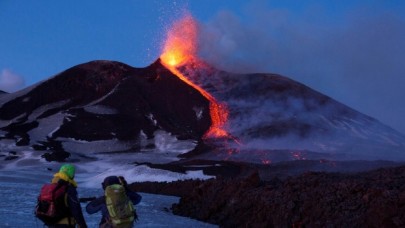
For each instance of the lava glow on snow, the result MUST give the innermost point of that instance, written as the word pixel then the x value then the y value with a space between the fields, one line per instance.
pixel 180 48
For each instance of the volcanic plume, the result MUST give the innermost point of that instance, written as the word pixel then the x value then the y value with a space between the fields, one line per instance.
pixel 180 48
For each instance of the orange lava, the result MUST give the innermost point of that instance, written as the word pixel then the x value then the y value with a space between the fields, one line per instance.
pixel 297 155
pixel 180 48
pixel 266 161
pixel 181 43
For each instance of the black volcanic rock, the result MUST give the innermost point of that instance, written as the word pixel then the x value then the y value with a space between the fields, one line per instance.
pixel 370 199
pixel 104 100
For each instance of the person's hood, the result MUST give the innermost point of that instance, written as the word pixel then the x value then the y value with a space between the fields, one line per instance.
pixel 110 180
pixel 63 176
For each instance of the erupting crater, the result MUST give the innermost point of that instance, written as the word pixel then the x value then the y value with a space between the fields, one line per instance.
pixel 179 49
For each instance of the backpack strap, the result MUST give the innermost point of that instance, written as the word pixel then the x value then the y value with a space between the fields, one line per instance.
pixel 58 186
pixel 65 200
pixel 66 203
pixel 61 184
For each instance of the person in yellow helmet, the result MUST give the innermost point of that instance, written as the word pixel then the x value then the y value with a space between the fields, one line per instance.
pixel 74 215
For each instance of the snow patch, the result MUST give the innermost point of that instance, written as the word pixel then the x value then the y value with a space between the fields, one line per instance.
pixel 46 127
pixel 11 96
pixel 40 110
pixel 50 135
pixel 26 160
pixel 198 112
pixel 143 139
pixel 165 142
pixel 152 119
pixel 103 97
pixel 131 173
pixel 15 120
pixel 91 147
pixel 100 109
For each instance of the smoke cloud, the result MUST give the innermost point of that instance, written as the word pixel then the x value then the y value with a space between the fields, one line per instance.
pixel 356 58
pixel 10 82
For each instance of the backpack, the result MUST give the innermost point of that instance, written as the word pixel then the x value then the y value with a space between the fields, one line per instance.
pixel 120 208
pixel 51 206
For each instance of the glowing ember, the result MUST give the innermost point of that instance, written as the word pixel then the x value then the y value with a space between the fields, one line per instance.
pixel 297 155
pixel 181 42
pixel 266 161
pixel 180 48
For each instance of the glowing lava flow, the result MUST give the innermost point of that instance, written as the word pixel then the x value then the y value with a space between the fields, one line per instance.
pixel 180 48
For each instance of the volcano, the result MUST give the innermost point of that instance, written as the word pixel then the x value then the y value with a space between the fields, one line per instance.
pixel 107 107
pixel 103 102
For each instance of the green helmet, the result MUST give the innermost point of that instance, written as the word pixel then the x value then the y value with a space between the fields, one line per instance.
pixel 68 169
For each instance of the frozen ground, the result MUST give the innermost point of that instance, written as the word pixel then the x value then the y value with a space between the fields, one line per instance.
pixel 23 171
pixel 20 188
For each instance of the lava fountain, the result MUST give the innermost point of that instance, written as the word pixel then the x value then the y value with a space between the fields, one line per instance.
pixel 180 48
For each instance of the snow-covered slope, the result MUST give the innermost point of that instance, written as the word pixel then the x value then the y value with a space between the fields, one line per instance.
pixel 276 118
pixel 105 108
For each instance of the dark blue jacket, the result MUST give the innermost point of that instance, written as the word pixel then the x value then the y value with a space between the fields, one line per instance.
pixel 100 205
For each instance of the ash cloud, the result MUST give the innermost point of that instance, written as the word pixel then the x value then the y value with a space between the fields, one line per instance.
pixel 356 58
pixel 10 82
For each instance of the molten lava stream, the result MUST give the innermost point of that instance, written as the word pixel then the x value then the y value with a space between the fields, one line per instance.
pixel 218 112
pixel 180 48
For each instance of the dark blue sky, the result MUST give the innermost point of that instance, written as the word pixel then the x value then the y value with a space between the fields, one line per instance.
pixel 351 50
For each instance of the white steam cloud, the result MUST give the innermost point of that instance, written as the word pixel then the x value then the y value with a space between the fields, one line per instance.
pixel 356 58
pixel 10 82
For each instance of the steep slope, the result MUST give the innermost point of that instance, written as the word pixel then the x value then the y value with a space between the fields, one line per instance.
pixel 106 102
